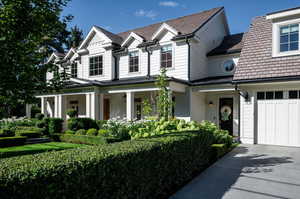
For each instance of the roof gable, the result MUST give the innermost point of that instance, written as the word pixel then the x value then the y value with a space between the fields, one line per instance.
pixel 132 36
pixel 162 28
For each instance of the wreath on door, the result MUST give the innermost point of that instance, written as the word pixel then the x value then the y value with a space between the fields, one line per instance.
pixel 225 113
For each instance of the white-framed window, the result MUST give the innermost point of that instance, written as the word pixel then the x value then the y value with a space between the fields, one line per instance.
pixel 134 61
pixel 289 38
pixel 270 95
pixel 96 65
pixel 228 65
pixel 74 69
pixel 286 38
pixel 166 56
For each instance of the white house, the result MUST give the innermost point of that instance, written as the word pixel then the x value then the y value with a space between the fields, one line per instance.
pixel 245 83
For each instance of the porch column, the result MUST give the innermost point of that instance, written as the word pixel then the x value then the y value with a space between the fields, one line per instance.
pixel 130 105
pixel 28 110
pixel 63 108
pixel 101 106
pixel 88 104
pixel 43 105
pixel 58 106
pixel 95 106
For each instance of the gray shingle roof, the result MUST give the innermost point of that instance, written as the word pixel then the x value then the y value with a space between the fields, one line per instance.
pixel 256 61
pixel 185 25
pixel 230 44
pixel 115 38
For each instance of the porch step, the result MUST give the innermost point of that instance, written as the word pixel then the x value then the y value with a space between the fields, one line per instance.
pixel 37 140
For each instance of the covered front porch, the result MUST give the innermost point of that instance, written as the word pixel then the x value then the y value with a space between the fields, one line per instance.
pixel 218 104
pixel 117 102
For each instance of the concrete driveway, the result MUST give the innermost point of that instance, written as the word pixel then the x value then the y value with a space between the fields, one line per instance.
pixel 249 171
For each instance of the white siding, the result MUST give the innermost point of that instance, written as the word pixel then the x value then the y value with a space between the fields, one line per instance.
pixel 215 65
pixel 198 106
pixel 247 119
pixel 210 36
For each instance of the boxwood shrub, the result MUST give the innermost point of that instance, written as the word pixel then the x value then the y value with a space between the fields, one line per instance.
pixel 29 132
pixel 75 124
pixel 143 168
pixel 7 132
pixel 12 141
pixel 85 139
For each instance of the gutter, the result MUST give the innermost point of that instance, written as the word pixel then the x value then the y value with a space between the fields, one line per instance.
pixel 270 79
pixel 189 57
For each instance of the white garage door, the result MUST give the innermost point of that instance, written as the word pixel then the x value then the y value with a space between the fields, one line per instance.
pixel 278 118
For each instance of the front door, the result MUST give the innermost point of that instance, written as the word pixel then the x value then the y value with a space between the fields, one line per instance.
pixel 226 114
pixel 106 109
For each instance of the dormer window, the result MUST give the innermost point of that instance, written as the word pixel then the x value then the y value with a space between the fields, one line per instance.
pixel 166 56
pixel 134 61
pixel 96 65
pixel 74 69
pixel 289 38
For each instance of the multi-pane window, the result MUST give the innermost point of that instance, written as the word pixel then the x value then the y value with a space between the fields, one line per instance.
pixel 289 38
pixel 74 69
pixel 166 56
pixel 96 65
pixel 294 94
pixel 134 61
pixel 269 95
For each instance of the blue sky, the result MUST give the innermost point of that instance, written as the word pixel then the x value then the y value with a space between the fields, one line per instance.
pixel 120 15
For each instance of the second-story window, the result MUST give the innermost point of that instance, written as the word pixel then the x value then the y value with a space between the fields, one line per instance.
pixel 96 65
pixel 289 38
pixel 166 56
pixel 74 69
pixel 134 61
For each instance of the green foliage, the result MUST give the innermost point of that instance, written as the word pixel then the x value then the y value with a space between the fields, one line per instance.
pixel 36 148
pixel 81 132
pixel 164 101
pixel 70 132
pixel 35 110
pixel 85 139
pixel 39 116
pixel 6 132
pixel 219 150
pixel 75 124
pixel 29 31
pixel 101 123
pixel 55 125
pixel 147 108
pixel 12 141
pixel 92 132
pixel 29 132
pixel 72 113
pixel 75 38
pixel 103 132
pixel 149 168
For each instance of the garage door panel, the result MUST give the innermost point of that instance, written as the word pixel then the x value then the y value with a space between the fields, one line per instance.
pixel 278 122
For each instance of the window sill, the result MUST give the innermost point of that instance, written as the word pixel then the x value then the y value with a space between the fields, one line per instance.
pixel 285 54
pixel 134 73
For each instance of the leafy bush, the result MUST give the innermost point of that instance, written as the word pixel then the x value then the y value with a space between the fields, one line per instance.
pixel 29 132
pixel 70 132
pixel 92 132
pixel 12 141
pixel 75 124
pixel 145 168
pixel 101 123
pixel 6 132
pixel 84 139
pixel 40 124
pixel 103 132
pixel 219 150
pixel 39 116
pixel 81 132
pixel 72 113
pixel 55 125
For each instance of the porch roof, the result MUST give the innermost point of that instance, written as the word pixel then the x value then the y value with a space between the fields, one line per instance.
pixel 213 80
pixel 129 81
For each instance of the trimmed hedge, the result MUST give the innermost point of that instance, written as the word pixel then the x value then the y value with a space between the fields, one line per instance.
pixel 144 168
pixel 75 124
pixel 85 139
pixel 12 141
pixel 29 132
pixel 219 150
pixel 55 125
pixel 6 132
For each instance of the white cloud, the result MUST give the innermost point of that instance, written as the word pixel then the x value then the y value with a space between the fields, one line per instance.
pixel 169 3
pixel 146 13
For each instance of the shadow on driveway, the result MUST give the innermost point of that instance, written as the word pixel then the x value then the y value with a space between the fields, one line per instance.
pixel 249 171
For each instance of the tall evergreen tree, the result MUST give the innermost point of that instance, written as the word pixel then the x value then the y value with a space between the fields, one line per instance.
pixel 75 38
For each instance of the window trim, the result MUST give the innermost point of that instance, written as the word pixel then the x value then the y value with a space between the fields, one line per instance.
pixel 223 62
pixel 89 71
pixel 276 38
pixel 139 61
pixel 76 63
pixel 173 55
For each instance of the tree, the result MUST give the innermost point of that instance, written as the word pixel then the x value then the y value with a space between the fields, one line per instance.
pixel 29 31
pixel 75 38
pixel 164 101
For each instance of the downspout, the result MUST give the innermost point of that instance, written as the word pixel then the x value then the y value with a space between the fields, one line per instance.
pixel 189 57
pixel 239 115
pixel 116 71
pixel 148 72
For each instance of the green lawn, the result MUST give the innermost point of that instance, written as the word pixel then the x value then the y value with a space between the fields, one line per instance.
pixel 36 148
